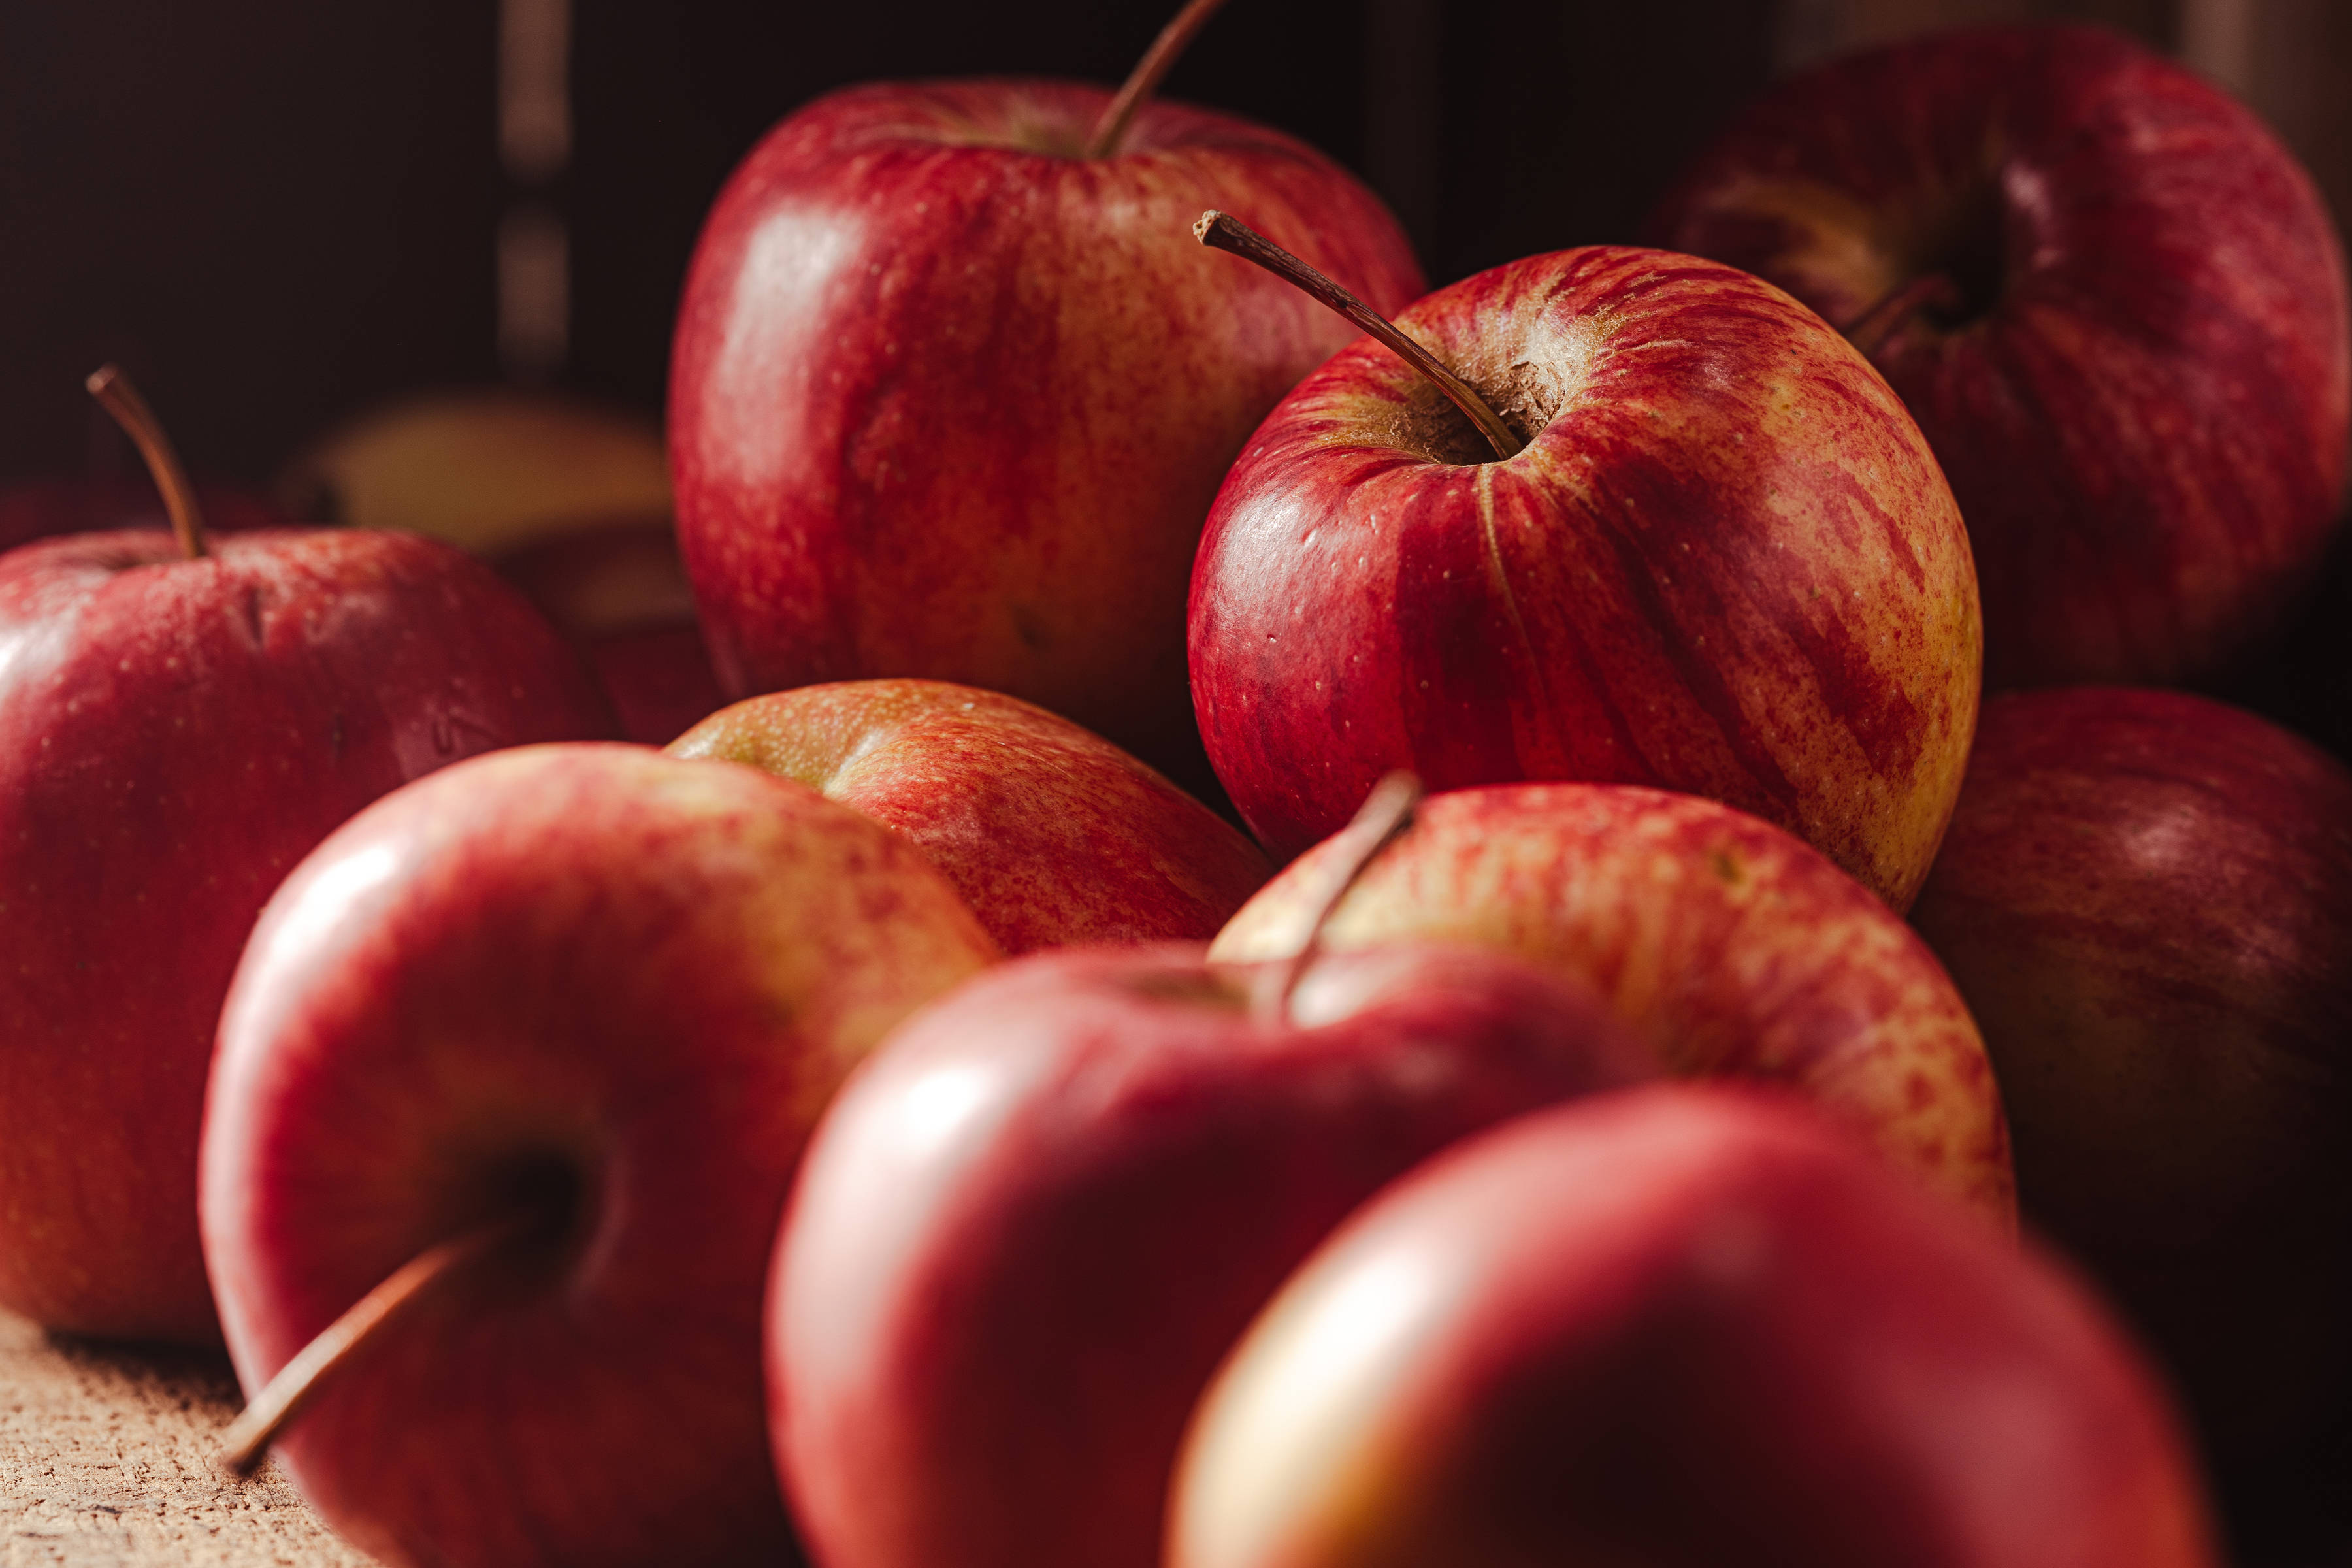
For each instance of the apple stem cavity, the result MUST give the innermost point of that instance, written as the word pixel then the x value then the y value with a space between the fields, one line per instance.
pixel 1110 126
pixel 1869 331
pixel 315 1365
pixel 1379 822
pixel 119 397
pixel 1223 231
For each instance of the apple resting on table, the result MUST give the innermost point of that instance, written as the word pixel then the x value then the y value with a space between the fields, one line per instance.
pixel 182 718
pixel 1681 1328
pixel 951 391
pixel 2115 302
pixel 1730 949
pixel 1673 530
pixel 2147 899
pixel 560 1019
pixel 1035 1222
pixel 1054 836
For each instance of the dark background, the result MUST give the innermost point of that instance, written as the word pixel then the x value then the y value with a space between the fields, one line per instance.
pixel 276 212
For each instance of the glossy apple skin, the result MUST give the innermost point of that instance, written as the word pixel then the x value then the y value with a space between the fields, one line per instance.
pixel 2147 900
pixel 1681 1328
pixel 2146 424
pixel 644 976
pixel 947 400
pixel 1731 950
pixel 618 589
pixel 1725 564
pixel 1033 1222
pixel 174 735
pixel 1054 836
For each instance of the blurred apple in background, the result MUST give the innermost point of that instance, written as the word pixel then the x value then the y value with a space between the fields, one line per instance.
pixel 1054 834
pixel 490 468
pixel 2147 899
pixel 1731 950
pixel 950 395
pixel 175 733
pixel 619 591
pixel 603 989
pixel 2115 303
pixel 570 502
pixel 1724 562
pixel 1036 1220
pixel 1681 1329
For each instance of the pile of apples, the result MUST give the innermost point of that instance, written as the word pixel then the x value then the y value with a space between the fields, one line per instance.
pixel 896 1122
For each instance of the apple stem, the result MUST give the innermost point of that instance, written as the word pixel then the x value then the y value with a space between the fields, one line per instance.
pixel 1110 125
pixel 119 397
pixel 1223 231
pixel 1386 813
pixel 1870 331
pixel 299 1381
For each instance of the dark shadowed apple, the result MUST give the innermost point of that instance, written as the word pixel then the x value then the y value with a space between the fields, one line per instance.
pixel 2147 900
pixel 2114 301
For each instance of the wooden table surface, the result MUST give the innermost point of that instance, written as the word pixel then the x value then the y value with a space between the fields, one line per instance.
pixel 105 1462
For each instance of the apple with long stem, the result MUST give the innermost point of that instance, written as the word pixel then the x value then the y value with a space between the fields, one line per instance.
pixel 1607 515
pixel 950 394
pixel 2114 301
pixel 1036 1220
pixel 183 717
pixel 1681 1328
pixel 511 1084
pixel 1732 951
pixel 1054 834
pixel 2147 899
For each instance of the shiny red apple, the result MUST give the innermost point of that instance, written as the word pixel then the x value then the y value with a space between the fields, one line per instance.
pixel 950 396
pixel 1039 1215
pixel 2114 301
pixel 1732 949
pixel 1681 1329
pixel 2147 899
pixel 1724 562
pixel 1054 834
pixel 175 733
pixel 591 987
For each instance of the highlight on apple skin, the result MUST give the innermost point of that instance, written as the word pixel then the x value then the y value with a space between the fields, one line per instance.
pixel 2146 898
pixel 1732 951
pixel 2114 301
pixel 1054 836
pixel 950 399
pixel 1041 1213
pixel 1725 562
pixel 1681 1327
pixel 175 733
pixel 606 989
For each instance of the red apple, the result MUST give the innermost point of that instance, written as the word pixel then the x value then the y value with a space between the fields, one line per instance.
pixel 588 981
pixel 949 397
pixel 618 589
pixel 1054 834
pixel 174 735
pixel 2113 300
pixel 1724 562
pixel 1036 1220
pixel 1732 950
pixel 2147 900
pixel 1681 1329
